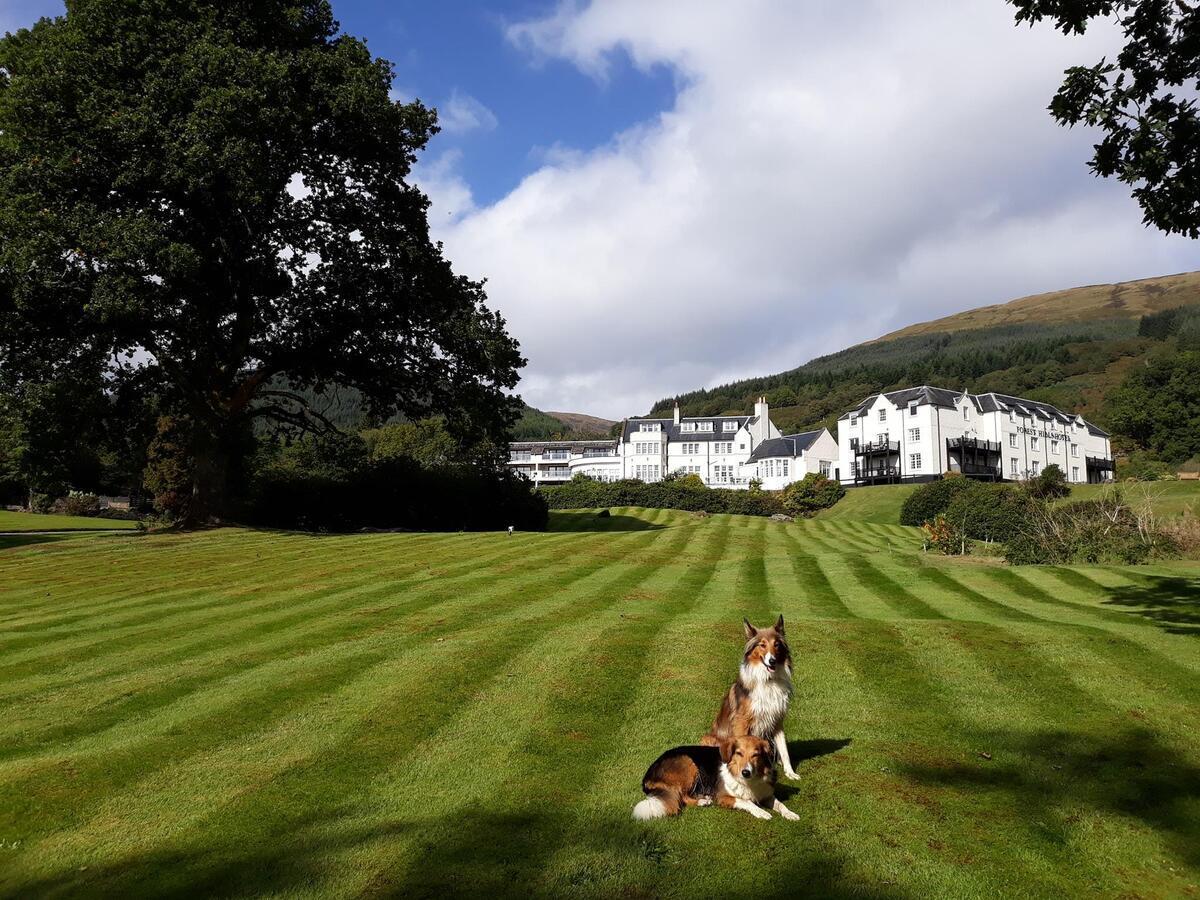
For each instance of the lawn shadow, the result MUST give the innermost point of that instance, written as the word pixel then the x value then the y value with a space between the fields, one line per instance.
pixel 9 541
pixel 811 749
pixel 1170 600
pixel 589 520
pixel 1131 773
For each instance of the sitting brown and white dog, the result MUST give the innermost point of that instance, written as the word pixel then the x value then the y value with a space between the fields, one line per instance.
pixel 758 701
pixel 738 773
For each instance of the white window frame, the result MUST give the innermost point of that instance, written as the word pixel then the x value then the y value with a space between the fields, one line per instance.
pixel 914 461
pixel 883 414
pixel 914 434
pixel 729 426
pixel 1016 466
pixel 1012 439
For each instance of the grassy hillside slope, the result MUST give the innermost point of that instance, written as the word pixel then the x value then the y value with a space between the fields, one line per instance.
pixel 1125 300
pixel 250 713
pixel 19 521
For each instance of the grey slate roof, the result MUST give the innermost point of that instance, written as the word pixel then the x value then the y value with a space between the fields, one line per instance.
pixel 984 403
pixel 675 433
pixel 790 446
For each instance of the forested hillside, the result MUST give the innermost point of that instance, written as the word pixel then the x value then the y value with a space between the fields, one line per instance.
pixel 1070 348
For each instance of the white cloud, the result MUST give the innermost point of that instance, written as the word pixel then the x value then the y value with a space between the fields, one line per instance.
pixel 828 172
pixel 462 113
pixel 449 194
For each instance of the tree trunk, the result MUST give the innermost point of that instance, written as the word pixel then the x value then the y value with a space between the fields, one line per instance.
pixel 210 477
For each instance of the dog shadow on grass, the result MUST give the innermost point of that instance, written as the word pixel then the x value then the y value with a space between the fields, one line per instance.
pixel 1171 601
pixel 802 751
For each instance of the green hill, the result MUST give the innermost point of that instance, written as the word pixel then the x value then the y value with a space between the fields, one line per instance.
pixel 1069 348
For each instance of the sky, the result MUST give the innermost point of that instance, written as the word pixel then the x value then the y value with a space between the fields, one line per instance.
pixel 667 195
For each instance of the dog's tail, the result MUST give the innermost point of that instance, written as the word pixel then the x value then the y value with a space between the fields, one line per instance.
pixel 660 803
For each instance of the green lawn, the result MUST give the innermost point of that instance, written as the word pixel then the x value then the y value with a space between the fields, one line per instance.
pixel 19 521
pixel 248 713
pixel 879 504
pixel 1169 498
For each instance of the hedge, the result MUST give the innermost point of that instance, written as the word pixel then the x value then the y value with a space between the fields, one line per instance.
pixel 990 512
pixel 584 493
pixel 931 500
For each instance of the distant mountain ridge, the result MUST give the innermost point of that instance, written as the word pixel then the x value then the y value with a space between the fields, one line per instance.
pixel 1069 348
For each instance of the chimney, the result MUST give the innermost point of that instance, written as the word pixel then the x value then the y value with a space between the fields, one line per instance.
pixel 676 412
pixel 760 408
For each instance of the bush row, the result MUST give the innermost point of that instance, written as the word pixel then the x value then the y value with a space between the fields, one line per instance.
pixel 393 493
pixel 584 493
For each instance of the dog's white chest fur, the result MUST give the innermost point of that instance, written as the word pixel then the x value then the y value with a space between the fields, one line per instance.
pixel 769 695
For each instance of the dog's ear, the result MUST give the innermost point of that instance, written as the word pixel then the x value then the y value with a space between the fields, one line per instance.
pixel 725 747
pixel 751 631
pixel 779 624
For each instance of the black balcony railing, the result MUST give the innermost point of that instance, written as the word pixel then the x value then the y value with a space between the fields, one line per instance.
pixel 976 469
pixel 973 444
pixel 1100 464
pixel 879 447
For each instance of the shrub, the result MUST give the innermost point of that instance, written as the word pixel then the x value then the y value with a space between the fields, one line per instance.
pixel 332 485
pixel 1050 484
pixel 811 494
pixel 1143 467
pixel 1104 530
pixel 76 503
pixel 930 500
pixel 945 537
pixel 1184 533
pixel 677 494
pixel 991 512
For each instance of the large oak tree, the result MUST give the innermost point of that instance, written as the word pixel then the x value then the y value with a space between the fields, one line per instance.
pixel 203 200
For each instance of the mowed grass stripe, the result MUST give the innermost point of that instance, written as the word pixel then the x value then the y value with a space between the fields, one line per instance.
pixel 214 612
pixel 930 578
pixel 574 721
pixel 348 731
pixel 901 601
pixel 813 586
pixel 275 569
pixel 312 635
pixel 531 602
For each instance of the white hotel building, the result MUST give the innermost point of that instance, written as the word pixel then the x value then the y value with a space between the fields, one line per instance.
pixel 724 451
pixel 920 433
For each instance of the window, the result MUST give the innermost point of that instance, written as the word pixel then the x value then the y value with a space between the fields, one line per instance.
pixel 1014 470
pixel 687 427
pixel 854 420
pixel 722 474
pixel 646 447
pixel 914 434
pixel 881 438
pixel 1054 446
pixel 519 456
pixel 1074 473
pixel 1033 467
pixel 883 415
pixel 1012 440
pixel 721 447
pixel 646 473
pixel 914 460
pixel 650 426
pixel 783 463
pixel 769 468
pixel 912 410
pixel 966 412
pixel 729 426
pixel 555 454
pixel 704 426
pixel 690 449
pixel 1033 443
pixel 1074 449
pixel 741 446
pixel 854 469
pixel 825 465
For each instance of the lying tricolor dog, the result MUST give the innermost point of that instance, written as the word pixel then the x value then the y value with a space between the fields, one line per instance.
pixel 758 701
pixel 738 773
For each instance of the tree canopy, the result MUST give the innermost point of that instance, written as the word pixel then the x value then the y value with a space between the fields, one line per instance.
pixel 203 198
pixel 1143 100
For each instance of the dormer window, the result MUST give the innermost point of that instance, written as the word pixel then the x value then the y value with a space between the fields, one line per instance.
pixel 704 426
pixel 650 426
pixel 688 427
pixel 729 426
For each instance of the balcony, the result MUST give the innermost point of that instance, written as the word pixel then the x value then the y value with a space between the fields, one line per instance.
pixel 972 444
pixel 877 448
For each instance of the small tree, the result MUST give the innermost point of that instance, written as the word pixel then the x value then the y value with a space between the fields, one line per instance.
pixel 1050 484
pixel 811 494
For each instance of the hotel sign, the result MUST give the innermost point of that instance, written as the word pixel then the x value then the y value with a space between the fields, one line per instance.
pixel 1042 432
